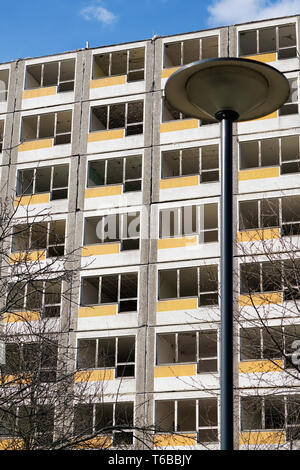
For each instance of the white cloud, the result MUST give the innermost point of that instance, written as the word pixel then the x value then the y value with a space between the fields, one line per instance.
pixel 224 12
pixel 98 12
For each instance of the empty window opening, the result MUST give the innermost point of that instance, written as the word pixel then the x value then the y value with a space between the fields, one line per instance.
pixel 4 77
pixel 51 125
pixel 60 74
pixel 201 282
pixel 188 415
pixel 280 39
pixel 192 161
pixel 291 104
pixel 188 220
pixel 123 228
pixel 41 296
pixel 49 236
pixel 282 151
pixel 184 52
pixel 128 116
pixel 121 289
pixel 53 180
pixel 117 353
pixel 129 62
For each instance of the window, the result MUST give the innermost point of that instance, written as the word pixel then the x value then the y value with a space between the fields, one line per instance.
pixel 126 171
pixel 111 289
pixel 4 78
pixel 50 179
pixel 189 347
pixel 271 342
pixel 49 236
pixel 291 105
pixel 201 282
pixel 269 276
pixel 280 39
pixel 95 418
pixel 188 416
pixel 59 73
pixel 117 353
pixel 49 125
pixel 283 152
pixel 128 116
pixel 192 161
pixel 190 50
pixel 41 296
pixel 123 228
pixel 38 359
pixel 188 220
pixel 129 62
pixel 271 212
pixel 272 413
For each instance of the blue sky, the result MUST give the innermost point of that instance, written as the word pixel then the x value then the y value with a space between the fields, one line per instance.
pixel 33 28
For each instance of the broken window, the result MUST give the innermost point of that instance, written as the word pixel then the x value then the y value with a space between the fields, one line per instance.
pixel 190 50
pixel 188 415
pixel 271 413
pixel 291 104
pixel 1 134
pixel 126 171
pixel 203 161
pixel 283 151
pixel 188 347
pixel 123 228
pixel 117 353
pixel 59 73
pixel 188 220
pixel 280 39
pixel 41 296
pixel 261 277
pixel 49 236
pixel 39 359
pixel 118 289
pixel 128 116
pixel 129 62
pixel 49 125
pixel 4 78
pixel 52 179
pixel 201 282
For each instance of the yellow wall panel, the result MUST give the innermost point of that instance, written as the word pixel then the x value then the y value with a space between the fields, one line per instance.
pixel 103 191
pixel 175 370
pixel 176 242
pixel 106 135
pixel 108 81
pixel 179 182
pixel 101 249
pixel 248 367
pixel 177 304
pixel 269 57
pixel 96 375
pixel 258 235
pixel 258 173
pixel 32 199
pixel 260 299
pixel 166 73
pixel 11 444
pixel 35 145
pixel 21 316
pixel 27 257
pixel 97 311
pixel 179 125
pixel 262 437
pixel 172 440
pixel 39 92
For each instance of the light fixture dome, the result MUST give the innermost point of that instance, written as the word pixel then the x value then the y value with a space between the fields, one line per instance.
pixel 247 87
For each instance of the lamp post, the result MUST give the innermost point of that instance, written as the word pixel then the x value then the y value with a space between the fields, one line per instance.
pixel 226 90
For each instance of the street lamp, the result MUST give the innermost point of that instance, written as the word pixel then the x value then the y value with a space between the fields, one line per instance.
pixel 226 90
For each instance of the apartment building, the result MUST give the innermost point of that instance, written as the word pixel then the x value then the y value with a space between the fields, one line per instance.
pixel 135 186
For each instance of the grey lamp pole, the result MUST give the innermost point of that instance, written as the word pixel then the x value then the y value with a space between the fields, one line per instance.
pixel 226 90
